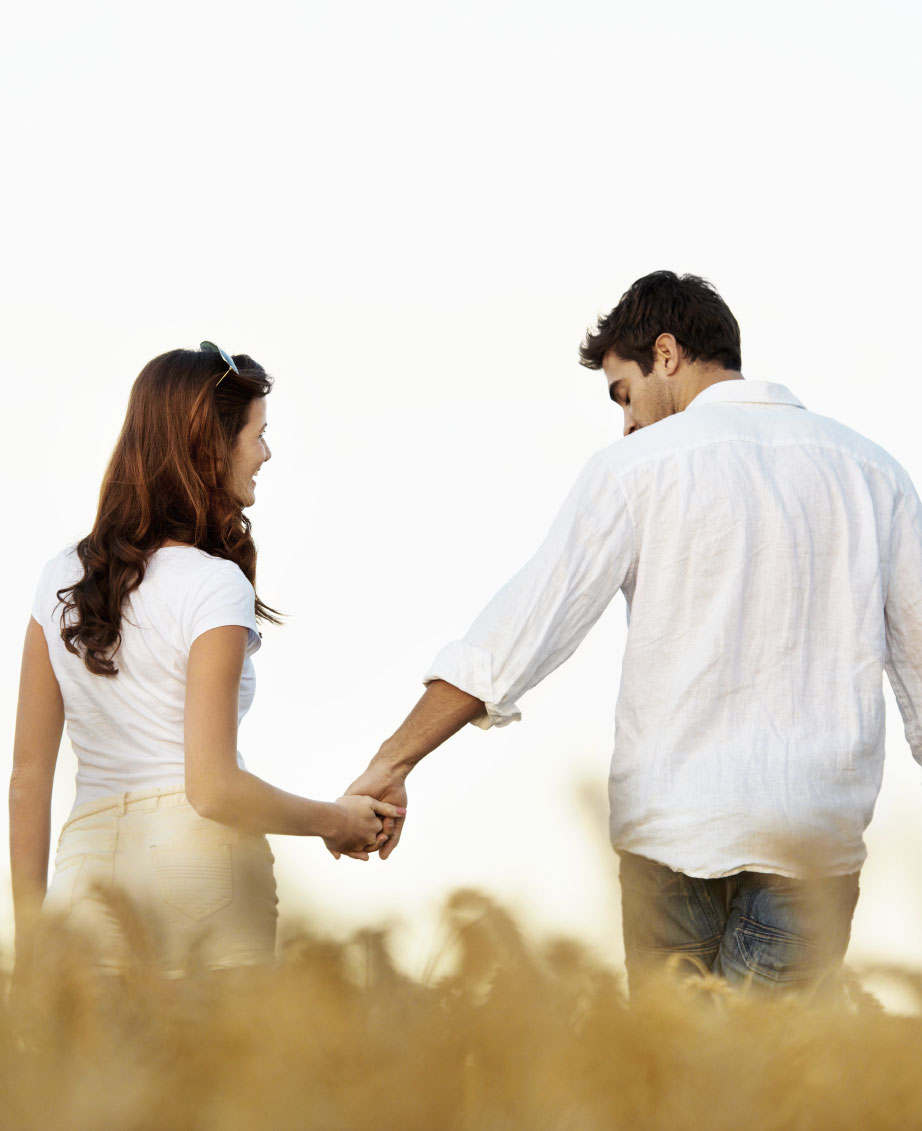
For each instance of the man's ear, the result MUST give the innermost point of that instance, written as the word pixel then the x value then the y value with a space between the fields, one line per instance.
pixel 667 354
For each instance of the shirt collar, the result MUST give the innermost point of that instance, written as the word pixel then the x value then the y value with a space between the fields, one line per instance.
pixel 746 392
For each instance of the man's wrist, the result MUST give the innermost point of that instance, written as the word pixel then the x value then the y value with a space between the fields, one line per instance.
pixel 393 760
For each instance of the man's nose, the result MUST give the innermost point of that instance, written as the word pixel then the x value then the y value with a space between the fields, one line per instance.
pixel 629 425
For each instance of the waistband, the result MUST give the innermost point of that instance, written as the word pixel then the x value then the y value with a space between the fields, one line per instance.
pixel 145 800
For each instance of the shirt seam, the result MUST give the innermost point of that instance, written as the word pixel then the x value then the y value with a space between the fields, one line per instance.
pixel 632 569
pixel 862 461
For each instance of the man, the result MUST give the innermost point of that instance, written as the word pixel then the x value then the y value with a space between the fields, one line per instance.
pixel 771 561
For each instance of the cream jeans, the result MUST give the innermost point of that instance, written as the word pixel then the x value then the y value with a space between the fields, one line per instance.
pixel 142 876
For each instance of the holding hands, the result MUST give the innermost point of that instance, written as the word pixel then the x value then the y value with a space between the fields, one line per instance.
pixel 390 786
pixel 440 713
pixel 360 824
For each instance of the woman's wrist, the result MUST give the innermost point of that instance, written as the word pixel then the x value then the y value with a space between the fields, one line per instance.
pixel 326 819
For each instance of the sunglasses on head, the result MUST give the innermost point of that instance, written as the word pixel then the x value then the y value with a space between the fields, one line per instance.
pixel 210 347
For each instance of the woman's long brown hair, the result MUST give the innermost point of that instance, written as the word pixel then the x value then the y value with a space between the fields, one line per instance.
pixel 169 478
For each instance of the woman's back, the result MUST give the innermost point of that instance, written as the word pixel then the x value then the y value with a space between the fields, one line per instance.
pixel 127 729
pixel 151 678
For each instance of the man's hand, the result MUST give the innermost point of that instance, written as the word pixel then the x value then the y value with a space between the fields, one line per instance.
pixel 387 785
pixel 361 825
pixel 440 713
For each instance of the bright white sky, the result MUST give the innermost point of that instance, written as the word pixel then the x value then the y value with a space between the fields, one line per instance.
pixel 409 213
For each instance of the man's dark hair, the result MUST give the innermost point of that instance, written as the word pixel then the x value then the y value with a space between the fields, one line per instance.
pixel 687 307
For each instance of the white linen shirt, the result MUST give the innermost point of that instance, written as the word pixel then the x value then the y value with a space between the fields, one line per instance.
pixel 771 560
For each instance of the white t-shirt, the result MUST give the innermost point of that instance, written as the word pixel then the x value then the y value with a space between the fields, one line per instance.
pixel 127 729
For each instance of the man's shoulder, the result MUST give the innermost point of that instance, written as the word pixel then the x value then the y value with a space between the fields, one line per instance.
pixel 828 432
pixel 664 439
pixel 725 427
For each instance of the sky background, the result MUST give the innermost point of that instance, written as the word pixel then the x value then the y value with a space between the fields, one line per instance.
pixel 409 213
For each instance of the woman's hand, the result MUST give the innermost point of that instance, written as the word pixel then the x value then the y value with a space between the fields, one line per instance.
pixel 360 826
pixel 380 780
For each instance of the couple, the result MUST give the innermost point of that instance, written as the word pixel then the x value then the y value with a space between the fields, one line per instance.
pixel 771 561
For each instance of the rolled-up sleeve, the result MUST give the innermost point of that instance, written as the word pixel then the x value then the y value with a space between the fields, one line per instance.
pixel 538 619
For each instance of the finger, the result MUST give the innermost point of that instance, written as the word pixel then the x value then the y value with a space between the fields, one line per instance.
pixel 385 809
pixel 332 851
pixel 363 855
pixel 392 841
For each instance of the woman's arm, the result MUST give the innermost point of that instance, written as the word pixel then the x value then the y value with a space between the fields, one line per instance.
pixel 39 724
pixel 216 786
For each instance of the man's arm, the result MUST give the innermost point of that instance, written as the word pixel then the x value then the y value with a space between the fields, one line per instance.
pixel 441 712
pixel 531 626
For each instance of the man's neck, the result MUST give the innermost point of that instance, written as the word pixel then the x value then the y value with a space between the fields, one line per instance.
pixel 699 377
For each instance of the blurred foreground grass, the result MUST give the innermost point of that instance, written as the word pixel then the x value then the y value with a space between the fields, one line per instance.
pixel 515 1036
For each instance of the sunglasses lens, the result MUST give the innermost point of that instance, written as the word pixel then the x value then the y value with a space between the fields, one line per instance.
pixel 210 347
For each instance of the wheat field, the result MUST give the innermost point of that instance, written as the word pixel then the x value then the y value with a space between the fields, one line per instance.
pixel 513 1035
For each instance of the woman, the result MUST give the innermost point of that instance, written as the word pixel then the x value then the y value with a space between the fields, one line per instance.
pixel 141 641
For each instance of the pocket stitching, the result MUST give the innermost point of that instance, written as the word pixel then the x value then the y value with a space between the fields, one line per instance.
pixel 171 898
pixel 800 971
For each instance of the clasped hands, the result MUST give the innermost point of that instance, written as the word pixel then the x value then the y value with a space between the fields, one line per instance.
pixel 374 809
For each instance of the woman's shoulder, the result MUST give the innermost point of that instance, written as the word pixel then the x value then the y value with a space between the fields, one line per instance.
pixel 59 572
pixel 203 591
pixel 64 568
pixel 192 568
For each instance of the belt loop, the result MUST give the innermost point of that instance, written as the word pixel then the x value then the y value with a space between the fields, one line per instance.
pixel 120 804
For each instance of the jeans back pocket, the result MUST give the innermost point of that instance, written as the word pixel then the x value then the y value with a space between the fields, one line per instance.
pixel 778 955
pixel 196 880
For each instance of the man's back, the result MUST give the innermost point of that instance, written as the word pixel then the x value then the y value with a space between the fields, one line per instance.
pixel 764 553
pixel 751 720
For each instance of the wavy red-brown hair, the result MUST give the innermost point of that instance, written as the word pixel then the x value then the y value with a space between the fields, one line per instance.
pixel 169 478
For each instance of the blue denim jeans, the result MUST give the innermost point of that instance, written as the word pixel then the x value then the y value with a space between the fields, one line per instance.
pixel 756 930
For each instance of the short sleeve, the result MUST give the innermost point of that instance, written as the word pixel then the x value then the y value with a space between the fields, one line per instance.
pixel 62 570
pixel 223 597
pixel 39 605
